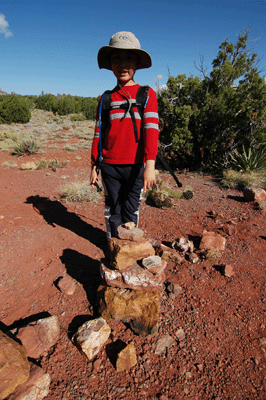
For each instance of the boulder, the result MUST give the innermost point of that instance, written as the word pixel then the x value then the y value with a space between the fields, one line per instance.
pixel 212 240
pixel 133 277
pixel 123 253
pixel 91 337
pixel 35 388
pixel 38 337
pixel 254 194
pixel 14 365
pixel 127 358
pixel 139 309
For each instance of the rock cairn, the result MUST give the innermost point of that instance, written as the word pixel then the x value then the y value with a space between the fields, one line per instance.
pixel 132 281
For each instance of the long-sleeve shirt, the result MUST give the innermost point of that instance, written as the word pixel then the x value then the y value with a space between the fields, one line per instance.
pixel 119 145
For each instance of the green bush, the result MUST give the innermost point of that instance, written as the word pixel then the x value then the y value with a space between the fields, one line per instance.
pixel 13 109
pixel 203 118
pixel 67 104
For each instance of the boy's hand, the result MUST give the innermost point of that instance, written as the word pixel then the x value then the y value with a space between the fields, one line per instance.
pixel 149 178
pixel 94 176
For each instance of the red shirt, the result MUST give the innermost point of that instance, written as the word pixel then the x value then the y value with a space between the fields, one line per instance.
pixel 119 144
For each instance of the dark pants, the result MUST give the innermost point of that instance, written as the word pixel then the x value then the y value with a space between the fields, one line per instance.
pixel 123 185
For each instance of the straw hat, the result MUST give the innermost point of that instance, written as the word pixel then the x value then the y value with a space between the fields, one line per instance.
pixel 123 41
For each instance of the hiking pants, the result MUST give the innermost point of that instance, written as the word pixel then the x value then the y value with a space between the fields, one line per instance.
pixel 123 185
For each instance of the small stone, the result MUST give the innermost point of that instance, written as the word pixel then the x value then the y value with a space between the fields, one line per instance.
pixel 134 234
pixel 38 337
pixel 199 367
pixel 67 285
pixel 180 334
pixel 96 365
pixel 173 287
pixel 154 264
pixel 193 258
pixel 183 245
pixel 127 358
pixel 29 166
pixel 35 388
pixel 129 225
pixel 212 240
pixel 164 343
pixel 91 337
pixel 263 341
pixel 228 270
pixel 168 254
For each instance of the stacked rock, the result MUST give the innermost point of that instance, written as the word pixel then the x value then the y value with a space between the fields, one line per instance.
pixel 133 281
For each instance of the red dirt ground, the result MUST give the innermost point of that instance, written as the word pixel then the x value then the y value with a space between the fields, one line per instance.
pixel 222 355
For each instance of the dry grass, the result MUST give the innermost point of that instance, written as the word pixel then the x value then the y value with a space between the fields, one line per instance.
pixel 79 192
pixel 241 180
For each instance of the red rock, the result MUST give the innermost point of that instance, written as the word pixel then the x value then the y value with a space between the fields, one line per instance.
pixel 127 358
pixel 38 337
pixel 35 388
pixel 254 194
pixel 133 277
pixel 165 342
pixel 228 270
pixel 139 309
pixel 154 264
pixel 67 285
pixel 134 234
pixel 123 253
pixel 168 254
pixel 91 337
pixel 129 225
pixel 212 240
pixel 183 245
pixel 173 287
pixel 14 365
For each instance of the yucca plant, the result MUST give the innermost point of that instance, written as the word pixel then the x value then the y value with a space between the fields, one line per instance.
pixel 26 146
pixel 254 159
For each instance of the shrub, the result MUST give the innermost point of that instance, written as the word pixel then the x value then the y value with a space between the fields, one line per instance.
pixel 26 146
pixel 240 180
pixel 78 117
pixel 51 164
pixel 79 192
pixel 13 109
pixel 254 159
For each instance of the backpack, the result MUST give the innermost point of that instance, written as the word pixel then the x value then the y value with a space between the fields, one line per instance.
pixel 105 108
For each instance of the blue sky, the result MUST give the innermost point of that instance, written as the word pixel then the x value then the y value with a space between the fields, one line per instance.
pixel 52 45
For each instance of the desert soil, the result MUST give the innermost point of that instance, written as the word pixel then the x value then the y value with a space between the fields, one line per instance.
pixel 222 355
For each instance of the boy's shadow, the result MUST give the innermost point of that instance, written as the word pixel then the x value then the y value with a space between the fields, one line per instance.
pixel 55 213
pixel 84 270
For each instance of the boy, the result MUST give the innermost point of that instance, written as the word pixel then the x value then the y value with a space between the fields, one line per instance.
pixel 129 148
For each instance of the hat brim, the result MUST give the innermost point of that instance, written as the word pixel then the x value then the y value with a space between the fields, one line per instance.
pixel 105 62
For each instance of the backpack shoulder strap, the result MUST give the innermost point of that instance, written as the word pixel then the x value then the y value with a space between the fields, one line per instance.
pixel 142 99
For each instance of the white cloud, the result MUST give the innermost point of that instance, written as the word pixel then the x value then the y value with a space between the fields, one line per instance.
pixel 4 26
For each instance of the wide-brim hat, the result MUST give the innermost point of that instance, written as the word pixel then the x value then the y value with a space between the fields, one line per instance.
pixel 123 41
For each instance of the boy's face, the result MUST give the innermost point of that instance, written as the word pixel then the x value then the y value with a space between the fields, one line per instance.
pixel 124 64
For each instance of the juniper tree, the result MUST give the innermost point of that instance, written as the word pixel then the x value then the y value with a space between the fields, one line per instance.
pixel 206 118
